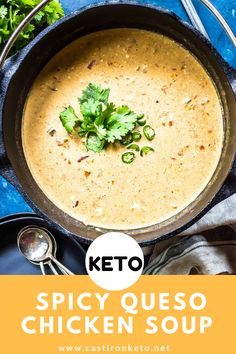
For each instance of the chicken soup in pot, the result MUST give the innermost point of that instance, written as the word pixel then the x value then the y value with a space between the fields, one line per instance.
pixel 152 75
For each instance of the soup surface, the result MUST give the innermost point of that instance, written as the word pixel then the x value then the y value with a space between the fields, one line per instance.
pixel 152 75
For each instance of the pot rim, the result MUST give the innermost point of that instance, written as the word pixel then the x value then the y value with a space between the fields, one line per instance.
pixel 109 3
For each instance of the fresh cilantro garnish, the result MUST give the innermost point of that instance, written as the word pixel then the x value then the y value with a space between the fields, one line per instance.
pixel 102 122
pixel 93 143
pixel 3 11
pixel 69 119
pixel 95 93
pixel 12 12
pixel 120 122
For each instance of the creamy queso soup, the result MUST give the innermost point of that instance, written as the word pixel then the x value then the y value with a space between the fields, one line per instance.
pixel 152 75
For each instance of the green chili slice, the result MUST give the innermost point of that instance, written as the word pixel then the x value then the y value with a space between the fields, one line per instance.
pixel 141 122
pixel 149 132
pixel 128 157
pixel 146 150
pixel 140 116
pixel 136 136
pixel 134 147
pixel 127 139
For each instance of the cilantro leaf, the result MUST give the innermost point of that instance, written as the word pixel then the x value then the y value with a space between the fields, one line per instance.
pixel 102 122
pixel 116 132
pixel 110 108
pixel 91 108
pixel 123 115
pixel 95 93
pixel 93 143
pixel 69 119
pixel 12 12
pixel 120 122
pixel 3 11
pixel 100 131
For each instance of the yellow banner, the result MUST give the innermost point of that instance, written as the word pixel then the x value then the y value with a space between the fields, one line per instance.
pixel 176 314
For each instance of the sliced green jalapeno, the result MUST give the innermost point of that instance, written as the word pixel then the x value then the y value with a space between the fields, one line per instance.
pixel 136 136
pixel 128 157
pixel 141 122
pixel 127 139
pixel 134 147
pixel 146 150
pixel 149 132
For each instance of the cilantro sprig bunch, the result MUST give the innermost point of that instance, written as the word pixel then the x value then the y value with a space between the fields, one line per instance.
pixel 12 12
pixel 101 122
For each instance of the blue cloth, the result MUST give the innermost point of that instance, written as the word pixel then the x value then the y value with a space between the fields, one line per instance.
pixel 10 200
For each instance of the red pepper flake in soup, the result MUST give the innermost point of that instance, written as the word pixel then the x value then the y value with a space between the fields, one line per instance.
pixel 63 142
pixel 76 204
pixel 164 89
pixel 87 173
pixel 91 64
pixel 82 158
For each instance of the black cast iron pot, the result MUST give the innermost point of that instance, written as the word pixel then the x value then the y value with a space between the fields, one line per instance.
pixel 20 71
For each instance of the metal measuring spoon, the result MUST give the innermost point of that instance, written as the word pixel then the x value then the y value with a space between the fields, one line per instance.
pixel 36 244
pixel 47 261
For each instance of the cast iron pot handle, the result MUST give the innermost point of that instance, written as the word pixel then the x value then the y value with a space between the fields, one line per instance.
pixel 5 166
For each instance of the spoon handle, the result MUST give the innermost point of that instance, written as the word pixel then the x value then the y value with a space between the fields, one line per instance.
pixel 62 270
pixel 52 268
pixel 61 266
pixel 42 268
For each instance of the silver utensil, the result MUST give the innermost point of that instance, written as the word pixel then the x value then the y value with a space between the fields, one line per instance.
pixel 39 247
pixel 52 268
pixel 46 262
pixel 193 15
pixel 221 20
pixel 42 268
pixel 196 21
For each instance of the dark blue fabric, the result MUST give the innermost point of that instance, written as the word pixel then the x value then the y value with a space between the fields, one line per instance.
pixel 10 200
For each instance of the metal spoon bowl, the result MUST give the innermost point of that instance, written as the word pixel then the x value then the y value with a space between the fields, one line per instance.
pixel 39 246
pixel 46 261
